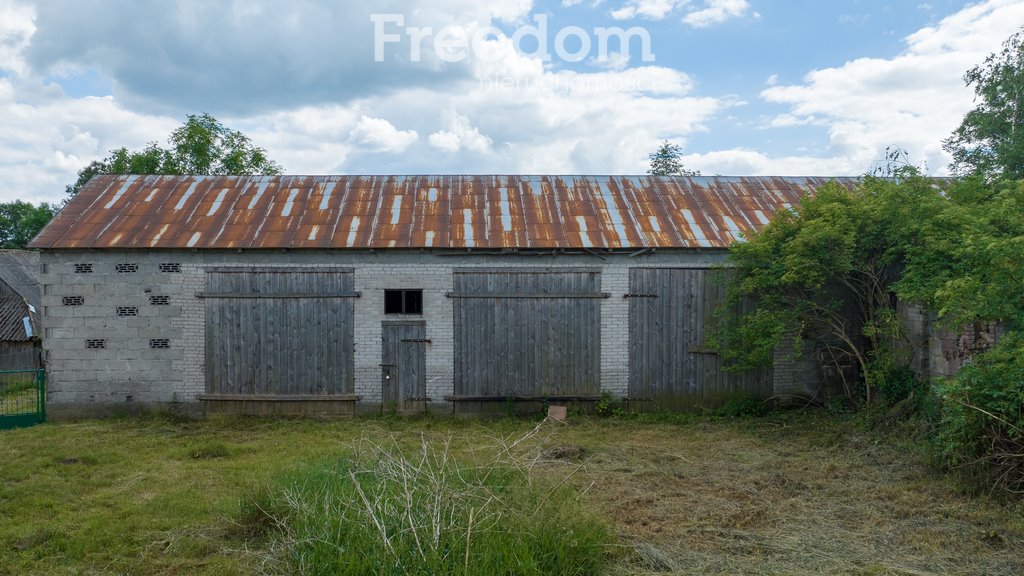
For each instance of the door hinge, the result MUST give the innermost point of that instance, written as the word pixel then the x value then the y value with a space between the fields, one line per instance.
pixel 416 340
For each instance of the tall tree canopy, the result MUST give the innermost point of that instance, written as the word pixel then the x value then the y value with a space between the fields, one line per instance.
pixel 667 161
pixel 990 139
pixel 21 221
pixel 202 145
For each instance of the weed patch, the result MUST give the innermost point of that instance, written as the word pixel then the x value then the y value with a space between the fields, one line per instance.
pixel 392 510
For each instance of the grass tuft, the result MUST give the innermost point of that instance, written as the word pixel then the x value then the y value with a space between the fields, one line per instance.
pixel 209 450
pixel 394 510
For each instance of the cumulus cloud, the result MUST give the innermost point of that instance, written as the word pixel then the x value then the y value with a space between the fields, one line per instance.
pixel 42 145
pixel 267 54
pixel 379 135
pixel 709 13
pixel 16 28
pixel 650 9
pixel 913 101
pixel 716 12
pixel 459 134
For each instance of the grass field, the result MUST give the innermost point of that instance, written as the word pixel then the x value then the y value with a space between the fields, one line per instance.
pixel 787 494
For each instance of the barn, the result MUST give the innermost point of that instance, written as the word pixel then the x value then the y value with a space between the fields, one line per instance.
pixel 19 305
pixel 337 294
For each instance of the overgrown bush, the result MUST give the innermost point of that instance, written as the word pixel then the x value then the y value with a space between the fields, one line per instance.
pixel 981 434
pixel 742 407
pixel 387 511
pixel 898 383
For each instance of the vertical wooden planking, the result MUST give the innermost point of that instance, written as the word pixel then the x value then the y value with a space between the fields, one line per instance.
pixel 288 345
pixel 527 346
pixel 669 360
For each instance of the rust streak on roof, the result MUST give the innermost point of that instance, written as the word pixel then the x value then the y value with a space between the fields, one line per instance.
pixel 380 212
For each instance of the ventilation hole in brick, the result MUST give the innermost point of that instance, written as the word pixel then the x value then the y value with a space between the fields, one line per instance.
pixel 72 300
pixel 170 267
pixel 83 268
pixel 127 311
pixel 96 343
pixel 159 343
pixel 127 268
pixel 160 300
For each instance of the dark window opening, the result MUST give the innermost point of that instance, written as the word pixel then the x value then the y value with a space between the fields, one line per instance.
pixel 403 301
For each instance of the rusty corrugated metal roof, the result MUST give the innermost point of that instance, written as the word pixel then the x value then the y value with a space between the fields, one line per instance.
pixel 419 211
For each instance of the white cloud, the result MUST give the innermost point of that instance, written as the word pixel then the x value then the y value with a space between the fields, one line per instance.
pixel 16 28
pixel 43 144
pixel 650 9
pixel 912 101
pixel 716 12
pixel 459 134
pixel 379 135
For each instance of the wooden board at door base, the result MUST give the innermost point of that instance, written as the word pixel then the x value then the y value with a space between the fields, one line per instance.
pixel 279 407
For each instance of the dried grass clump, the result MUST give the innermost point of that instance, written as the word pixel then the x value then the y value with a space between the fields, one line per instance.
pixel 389 509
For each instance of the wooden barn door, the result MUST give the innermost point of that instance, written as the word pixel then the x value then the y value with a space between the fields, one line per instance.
pixel 275 333
pixel 670 364
pixel 527 332
pixel 404 365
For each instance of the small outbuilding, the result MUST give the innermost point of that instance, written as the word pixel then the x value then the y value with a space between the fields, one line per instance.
pixel 19 305
pixel 332 294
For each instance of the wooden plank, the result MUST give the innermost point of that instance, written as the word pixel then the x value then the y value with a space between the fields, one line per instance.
pixel 281 397
pixel 278 295
pixel 520 295
pixel 520 398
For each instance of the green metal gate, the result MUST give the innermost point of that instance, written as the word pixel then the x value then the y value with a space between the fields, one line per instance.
pixel 22 398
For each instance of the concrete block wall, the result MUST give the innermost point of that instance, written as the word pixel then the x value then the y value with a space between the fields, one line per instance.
pixel 936 350
pixel 128 371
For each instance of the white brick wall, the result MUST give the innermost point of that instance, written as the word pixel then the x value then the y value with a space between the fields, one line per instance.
pixel 129 368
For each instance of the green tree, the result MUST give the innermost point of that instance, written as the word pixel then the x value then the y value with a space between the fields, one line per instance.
pixel 825 270
pixel 965 262
pixel 666 161
pixel 21 221
pixel 202 145
pixel 990 139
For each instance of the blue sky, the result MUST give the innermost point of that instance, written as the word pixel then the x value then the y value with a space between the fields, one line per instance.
pixel 746 87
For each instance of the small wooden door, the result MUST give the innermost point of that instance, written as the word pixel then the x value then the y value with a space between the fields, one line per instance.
pixel 404 365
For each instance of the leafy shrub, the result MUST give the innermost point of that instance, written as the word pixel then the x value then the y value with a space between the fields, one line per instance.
pixel 384 511
pixel 981 433
pixel 605 407
pixel 897 383
pixel 742 407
